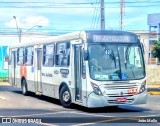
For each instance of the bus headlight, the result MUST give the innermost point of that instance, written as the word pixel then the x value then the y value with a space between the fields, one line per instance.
pixel 96 89
pixel 143 87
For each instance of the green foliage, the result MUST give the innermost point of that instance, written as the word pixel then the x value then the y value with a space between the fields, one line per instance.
pixel 156 49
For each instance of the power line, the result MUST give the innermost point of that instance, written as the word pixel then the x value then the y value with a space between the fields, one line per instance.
pixel 98 19
pixel 65 5
pixel 95 15
pixel 75 7
pixel 74 3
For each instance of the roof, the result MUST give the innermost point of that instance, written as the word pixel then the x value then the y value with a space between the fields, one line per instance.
pixel 74 35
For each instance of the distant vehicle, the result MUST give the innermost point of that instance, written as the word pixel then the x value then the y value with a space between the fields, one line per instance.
pixel 88 68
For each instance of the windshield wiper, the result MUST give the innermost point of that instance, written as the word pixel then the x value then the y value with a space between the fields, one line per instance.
pixel 126 55
pixel 111 55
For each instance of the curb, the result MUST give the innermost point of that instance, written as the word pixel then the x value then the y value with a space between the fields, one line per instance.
pixel 153 90
pixel 154 93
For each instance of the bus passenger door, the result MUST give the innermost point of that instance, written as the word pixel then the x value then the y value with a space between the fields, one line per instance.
pixel 78 69
pixel 38 78
pixel 13 68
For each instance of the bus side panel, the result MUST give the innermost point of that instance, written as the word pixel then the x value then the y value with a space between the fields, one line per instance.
pixel 52 78
pixel 15 72
pixel 10 75
pixel 48 83
pixel 62 75
pixel 18 76
pixel 30 78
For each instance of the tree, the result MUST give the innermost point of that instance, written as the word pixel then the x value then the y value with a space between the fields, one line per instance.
pixel 156 49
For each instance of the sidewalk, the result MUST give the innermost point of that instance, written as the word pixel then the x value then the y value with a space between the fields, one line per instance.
pixel 4 84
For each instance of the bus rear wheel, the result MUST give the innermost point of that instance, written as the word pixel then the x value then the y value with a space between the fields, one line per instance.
pixel 65 97
pixel 24 87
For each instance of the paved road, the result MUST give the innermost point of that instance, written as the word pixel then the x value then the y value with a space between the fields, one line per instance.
pixel 49 111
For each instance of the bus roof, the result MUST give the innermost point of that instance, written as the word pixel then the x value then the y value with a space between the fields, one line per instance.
pixel 64 37
pixel 74 35
pixel 110 32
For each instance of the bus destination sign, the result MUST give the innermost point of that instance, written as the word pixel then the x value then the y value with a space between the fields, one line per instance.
pixel 114 38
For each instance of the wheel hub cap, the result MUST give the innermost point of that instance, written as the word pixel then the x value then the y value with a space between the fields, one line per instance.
pixel 66 96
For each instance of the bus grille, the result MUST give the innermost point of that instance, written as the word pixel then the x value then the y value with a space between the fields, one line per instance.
pixel 115 102
pixel 119 90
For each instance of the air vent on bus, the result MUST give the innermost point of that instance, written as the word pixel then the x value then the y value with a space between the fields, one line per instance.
pixel 115 101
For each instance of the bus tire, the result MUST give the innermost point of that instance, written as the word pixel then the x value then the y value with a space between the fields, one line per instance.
pixel 65 97
pixel 24 87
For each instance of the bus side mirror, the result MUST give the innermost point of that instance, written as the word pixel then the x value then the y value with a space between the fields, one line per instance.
pixel 85 55
pixel 142 46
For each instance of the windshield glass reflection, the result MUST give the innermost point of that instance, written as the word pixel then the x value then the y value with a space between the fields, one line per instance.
pixel 115 62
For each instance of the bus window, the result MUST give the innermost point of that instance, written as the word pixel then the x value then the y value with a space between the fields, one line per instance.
pixel 20 58
pixel 48 55
pixel 63 54
pixel 29 56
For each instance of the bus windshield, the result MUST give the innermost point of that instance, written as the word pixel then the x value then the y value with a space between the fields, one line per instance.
pixel 115 62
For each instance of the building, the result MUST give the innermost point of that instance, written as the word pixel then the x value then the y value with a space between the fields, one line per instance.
pixel 143 36
pixel 3 63
pixel 154 33
pixel 148 37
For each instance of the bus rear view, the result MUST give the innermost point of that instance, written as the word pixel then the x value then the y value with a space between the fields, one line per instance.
pixel 116 69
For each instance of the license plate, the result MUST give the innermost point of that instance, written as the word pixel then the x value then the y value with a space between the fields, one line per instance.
pixel 121 99
pixel 133 91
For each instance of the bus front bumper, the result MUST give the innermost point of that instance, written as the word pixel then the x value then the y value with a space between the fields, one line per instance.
pixel 103 101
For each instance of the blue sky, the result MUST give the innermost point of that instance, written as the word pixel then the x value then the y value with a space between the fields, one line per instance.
pixel 58 17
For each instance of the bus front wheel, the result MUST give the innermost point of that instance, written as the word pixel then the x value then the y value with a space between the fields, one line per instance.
pixel 24 87
pixel 65 97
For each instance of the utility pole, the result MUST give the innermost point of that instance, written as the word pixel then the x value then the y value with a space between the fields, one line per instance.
pixel 18 29
pixel 122 11
pixel 102 15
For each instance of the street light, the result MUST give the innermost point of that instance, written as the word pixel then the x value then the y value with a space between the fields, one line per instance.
pixel 19 31
pixel 31 29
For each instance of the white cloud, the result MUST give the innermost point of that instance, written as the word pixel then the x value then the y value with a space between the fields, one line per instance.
pixel 28 22
pixel 8 40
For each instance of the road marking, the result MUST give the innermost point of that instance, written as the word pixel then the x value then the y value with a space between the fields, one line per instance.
pixel 148 115
pixel 136 118
pixel 4 98
pixel 90 114
pixel 117 118
pixel 47 124
pixel 44 124
pixel 31 115
pixel 83 124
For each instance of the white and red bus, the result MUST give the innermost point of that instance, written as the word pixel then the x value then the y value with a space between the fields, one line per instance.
pixel 89 68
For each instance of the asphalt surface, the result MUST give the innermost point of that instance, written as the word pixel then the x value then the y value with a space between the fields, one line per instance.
pixel 36 109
